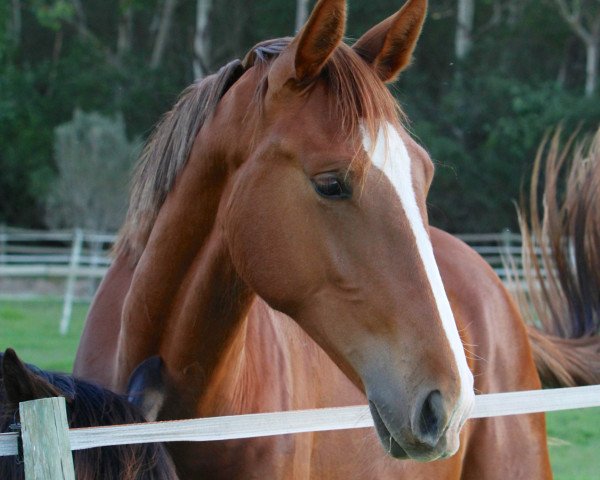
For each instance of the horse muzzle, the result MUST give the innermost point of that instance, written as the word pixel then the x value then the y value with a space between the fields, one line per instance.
pixel 427 432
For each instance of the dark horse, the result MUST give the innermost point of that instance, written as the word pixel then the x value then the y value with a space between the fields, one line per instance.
pixel 87 406
pixel 277 256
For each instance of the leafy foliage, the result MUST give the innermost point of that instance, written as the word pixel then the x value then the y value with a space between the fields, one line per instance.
pixel 481 119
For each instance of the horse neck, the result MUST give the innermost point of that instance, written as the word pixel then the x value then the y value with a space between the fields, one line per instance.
pixel 186 301
pixel 206 332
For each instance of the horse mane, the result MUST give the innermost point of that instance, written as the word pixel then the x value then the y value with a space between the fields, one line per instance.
pixel 90 405
pixel 358 97
pixel 166 153
pixel 561 252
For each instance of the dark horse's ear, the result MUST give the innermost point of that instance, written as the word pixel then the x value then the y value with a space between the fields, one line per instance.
pixel 146 387
pixel 388 46
pixel 20 383
pixel 319 37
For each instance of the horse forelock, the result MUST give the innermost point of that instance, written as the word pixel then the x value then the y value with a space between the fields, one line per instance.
pixel 356 95
pixel 357 98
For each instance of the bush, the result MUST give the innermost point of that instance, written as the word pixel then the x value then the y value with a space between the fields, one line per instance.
pixel 94 158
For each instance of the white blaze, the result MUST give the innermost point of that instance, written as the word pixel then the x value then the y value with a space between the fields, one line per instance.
pixel 391 156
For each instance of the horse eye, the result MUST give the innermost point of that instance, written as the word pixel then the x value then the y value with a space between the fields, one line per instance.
pixel 329 185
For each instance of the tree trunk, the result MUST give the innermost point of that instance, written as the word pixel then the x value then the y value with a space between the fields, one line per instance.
pixel 202 45
pixel 301 13
pixel 464 28
pixel 163 33
pixel 591 79
pixel 571 46
pixel 515 10
pixel 16 23
pixel 124 28
pixel 584 20
pixel 80 19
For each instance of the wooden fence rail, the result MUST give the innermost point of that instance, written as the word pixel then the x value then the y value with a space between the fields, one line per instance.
pixel 32 252
pixel 75 254
pixel 48 442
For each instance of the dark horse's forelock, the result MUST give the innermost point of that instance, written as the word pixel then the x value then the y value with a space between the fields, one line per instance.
pixel 357 97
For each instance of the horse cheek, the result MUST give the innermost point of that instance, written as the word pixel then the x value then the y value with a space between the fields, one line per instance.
pixel 270 244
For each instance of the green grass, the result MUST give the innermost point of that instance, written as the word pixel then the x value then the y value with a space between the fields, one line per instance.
pixel 31 328
pixel 574 439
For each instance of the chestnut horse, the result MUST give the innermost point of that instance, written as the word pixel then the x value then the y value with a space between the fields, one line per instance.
pixel 277 256
pixel 88 405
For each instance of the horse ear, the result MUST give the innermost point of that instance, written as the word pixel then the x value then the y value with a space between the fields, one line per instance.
pixel 146 387
pixel 319 37
pixel 20 383
pixel 389 45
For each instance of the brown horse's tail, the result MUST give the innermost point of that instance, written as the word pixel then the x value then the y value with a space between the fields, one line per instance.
pixel 560 294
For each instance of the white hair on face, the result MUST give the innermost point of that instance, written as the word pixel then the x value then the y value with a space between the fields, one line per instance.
pixel 390 155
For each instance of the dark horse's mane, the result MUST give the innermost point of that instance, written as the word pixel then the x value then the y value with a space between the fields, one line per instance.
pixel 90 405
pixel 357 98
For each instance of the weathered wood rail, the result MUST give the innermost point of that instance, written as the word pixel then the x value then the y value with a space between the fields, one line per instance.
pixel 76 254
pixel 47 441
pixel 59 253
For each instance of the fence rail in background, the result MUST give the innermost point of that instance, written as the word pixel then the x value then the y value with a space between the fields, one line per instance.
pixel 24 253
pixel 495 247
pixel 68 254
pixel 31 253
pixel 75 255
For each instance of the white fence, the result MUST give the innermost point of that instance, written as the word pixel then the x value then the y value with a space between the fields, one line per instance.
pixel 74 255
pixel 495 248
pixel 47 442
pixel 68 254
pixel 61 253
pixel 58 253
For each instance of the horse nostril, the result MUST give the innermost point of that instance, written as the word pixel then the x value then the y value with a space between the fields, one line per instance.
pixel 431 420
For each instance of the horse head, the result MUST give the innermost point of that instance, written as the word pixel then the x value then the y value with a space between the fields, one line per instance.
pixel 301 186
pixel 325 218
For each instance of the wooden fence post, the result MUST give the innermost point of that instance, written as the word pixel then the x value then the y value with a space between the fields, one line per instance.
pixel 506 254
pixel 95 253
pixel 3 240
pixel 71 279
pixel 46 447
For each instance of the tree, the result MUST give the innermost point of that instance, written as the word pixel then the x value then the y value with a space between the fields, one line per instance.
pixel 94 159
pixel 201 39
pixel 162 36
pixel 464 28
pixel 482 115
pixel 301 13
pixel 16 22
pixel 125 28
pixel 583 17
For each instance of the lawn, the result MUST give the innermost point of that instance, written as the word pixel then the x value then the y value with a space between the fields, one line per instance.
pixel 574 439
pixel 31 328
